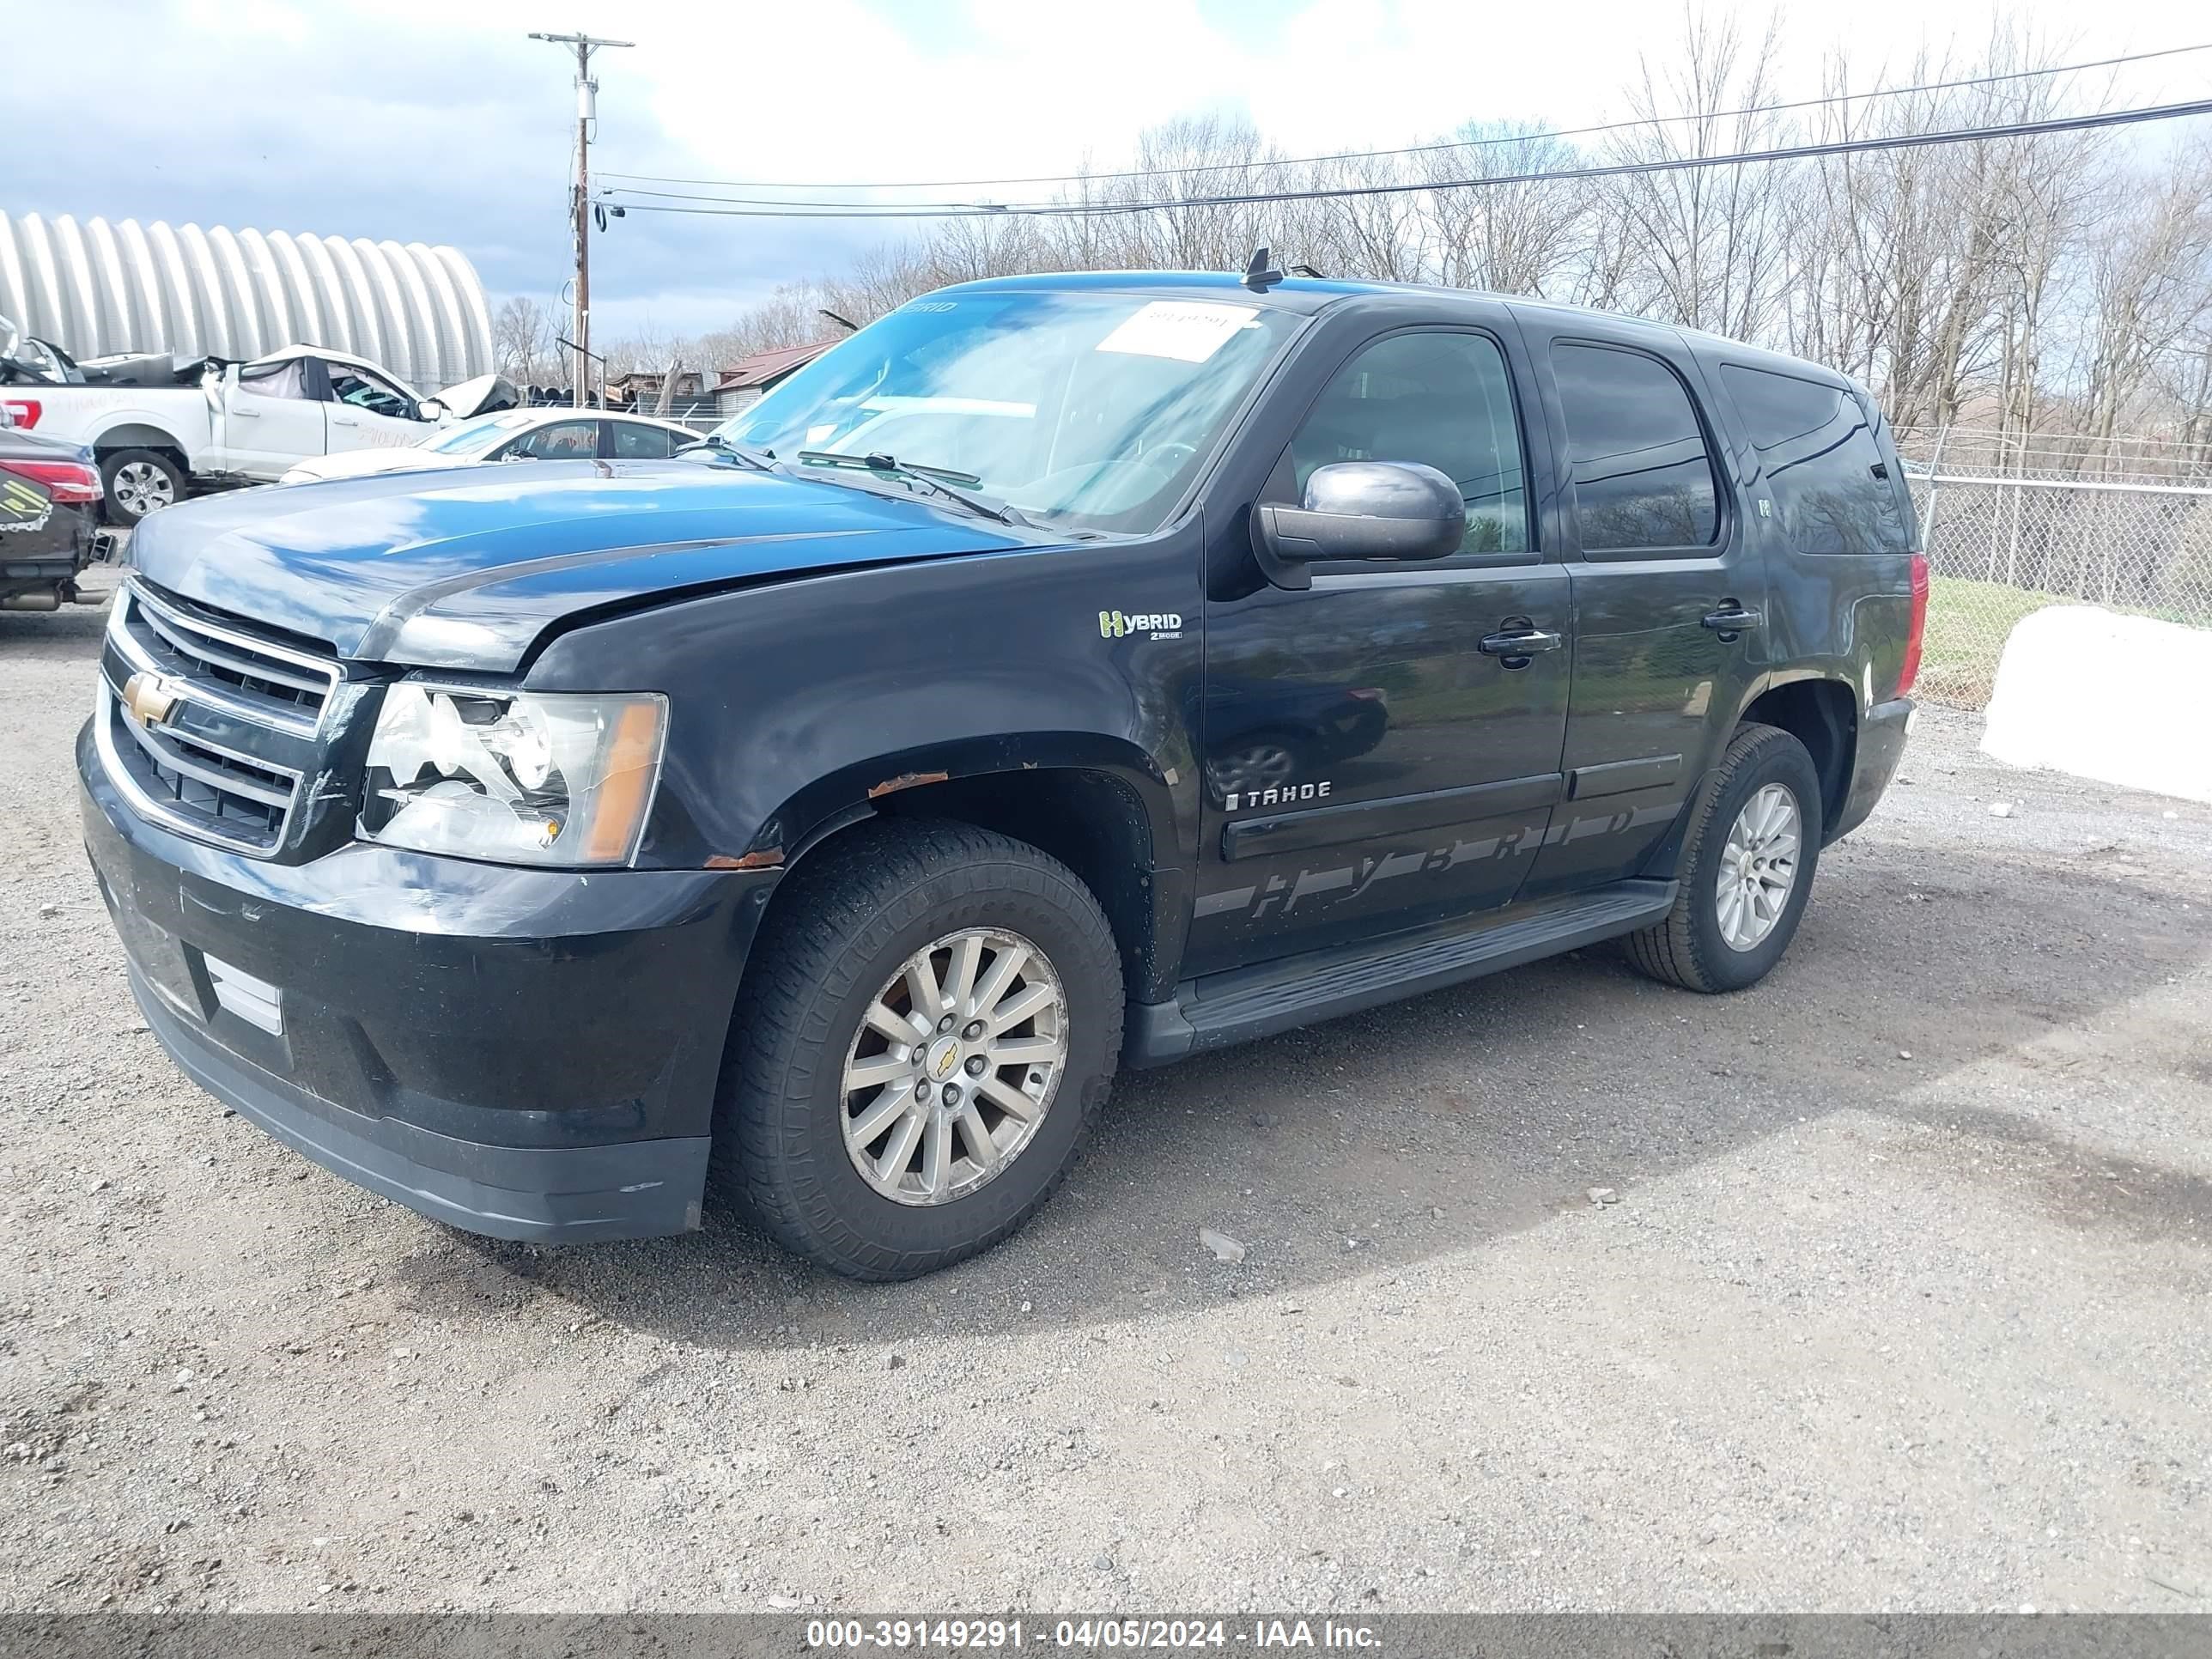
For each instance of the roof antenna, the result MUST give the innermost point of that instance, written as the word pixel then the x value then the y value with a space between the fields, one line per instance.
pixel 1261 274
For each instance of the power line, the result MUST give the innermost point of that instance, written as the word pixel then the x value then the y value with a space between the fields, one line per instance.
pixel 1790 153
pixel 1414 149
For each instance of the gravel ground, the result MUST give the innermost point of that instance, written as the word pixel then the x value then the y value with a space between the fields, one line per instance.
pixel 1897 1301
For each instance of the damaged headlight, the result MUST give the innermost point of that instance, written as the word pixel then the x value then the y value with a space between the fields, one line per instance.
pixel 516 777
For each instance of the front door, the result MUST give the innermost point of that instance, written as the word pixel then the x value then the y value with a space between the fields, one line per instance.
pixel 368 412
pixel 578 439
pixel 1376 754
pixel 1669 595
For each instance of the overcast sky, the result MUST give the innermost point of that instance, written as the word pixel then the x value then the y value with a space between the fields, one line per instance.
pixel 440 121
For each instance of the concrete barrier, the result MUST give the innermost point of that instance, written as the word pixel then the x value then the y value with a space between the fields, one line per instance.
pixel 2123 700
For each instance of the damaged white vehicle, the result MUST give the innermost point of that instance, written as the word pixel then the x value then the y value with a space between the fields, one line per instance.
pixel 164 426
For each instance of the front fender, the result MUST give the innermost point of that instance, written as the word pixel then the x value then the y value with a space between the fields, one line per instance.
pixel 796 703
pixel 829 802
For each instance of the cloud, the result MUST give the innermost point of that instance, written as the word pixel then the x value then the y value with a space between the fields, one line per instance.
pixel 422 119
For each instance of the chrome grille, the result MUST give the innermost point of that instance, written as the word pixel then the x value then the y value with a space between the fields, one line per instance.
pixel 224 761
pixel 262 679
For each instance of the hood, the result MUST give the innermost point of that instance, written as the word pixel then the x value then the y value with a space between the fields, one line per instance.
pixel 484 395
pixel 464 569
pixel 362 463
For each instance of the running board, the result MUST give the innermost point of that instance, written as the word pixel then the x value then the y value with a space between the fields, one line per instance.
pixel 1247 1003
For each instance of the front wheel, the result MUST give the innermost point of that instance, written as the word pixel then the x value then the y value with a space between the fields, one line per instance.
pixel 930 1021
pixel 1747 869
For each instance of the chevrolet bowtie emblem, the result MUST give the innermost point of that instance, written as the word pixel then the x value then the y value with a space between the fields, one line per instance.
pixel 152 697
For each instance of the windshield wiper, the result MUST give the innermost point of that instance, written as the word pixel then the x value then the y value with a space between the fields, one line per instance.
pixel 720 446
pixel 942 479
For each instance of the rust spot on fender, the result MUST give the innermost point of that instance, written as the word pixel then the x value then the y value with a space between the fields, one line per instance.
pixel 767 859
pixel 906 780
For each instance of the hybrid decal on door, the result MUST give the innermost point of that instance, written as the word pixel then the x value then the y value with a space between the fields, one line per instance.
pixel 1330 882
pixel 1160 624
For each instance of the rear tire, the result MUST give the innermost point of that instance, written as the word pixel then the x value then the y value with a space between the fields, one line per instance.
pixel 1692 947
pixel 832 963
pixel 138 482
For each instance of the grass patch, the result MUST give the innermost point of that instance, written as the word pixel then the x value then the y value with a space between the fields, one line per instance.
pixel 1968 623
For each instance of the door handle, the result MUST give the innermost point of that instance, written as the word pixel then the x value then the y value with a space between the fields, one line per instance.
pixel 1731 619
pixel 1520 643
pixel 244 414
pixel 336 420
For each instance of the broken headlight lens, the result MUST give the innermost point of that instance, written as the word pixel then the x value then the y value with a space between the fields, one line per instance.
pixel 515 777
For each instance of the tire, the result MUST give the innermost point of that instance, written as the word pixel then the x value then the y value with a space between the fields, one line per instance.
pixel 138 482
pixel 834 942
pixel 1691 947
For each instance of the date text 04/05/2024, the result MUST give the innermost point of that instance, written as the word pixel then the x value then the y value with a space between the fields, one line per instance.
pixel 1091 1634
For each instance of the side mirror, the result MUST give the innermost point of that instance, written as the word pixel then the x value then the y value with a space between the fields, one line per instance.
pixel 1360 510
pixel 430 409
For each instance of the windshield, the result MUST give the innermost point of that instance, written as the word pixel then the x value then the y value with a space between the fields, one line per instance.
pixel 473 437
pixel 1089 410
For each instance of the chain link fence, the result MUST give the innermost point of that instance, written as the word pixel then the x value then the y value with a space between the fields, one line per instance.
pixel 2012 526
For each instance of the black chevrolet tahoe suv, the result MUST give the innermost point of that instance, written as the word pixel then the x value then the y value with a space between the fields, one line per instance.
pixel 1062 673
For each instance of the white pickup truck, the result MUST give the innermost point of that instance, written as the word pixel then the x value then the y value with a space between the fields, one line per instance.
pixel 163 427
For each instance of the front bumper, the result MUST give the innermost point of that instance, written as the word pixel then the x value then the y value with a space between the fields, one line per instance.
pixel 527 1053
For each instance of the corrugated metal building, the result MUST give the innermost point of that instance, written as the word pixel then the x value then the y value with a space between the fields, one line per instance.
pixel 95 288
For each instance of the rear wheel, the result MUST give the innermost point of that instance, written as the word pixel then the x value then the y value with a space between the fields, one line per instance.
pixel 139 482
pixel 930 1020
pixel 1747 869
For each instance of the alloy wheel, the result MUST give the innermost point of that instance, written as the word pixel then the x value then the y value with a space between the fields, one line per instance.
pixel 141 487
pixel 957 1061
pixel 1759 868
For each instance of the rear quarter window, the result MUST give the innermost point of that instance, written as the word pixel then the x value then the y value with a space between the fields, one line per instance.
pixel 1833 483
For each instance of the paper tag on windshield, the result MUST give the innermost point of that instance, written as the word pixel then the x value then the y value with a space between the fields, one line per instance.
pixel 1189 330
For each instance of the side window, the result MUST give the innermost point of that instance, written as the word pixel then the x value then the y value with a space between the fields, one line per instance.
pixel 1824 466
pixel 357 386
pixel 1443 400
pixel 633 442
pixel 560 441
pixel 286 380
pixel 1642 477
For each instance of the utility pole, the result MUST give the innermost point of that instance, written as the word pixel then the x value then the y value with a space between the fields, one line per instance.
pixel 586 116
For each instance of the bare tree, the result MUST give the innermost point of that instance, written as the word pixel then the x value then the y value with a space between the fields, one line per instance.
pixel 1527 237
pixel 1706 245
pixel 2039 285
pixel 521 339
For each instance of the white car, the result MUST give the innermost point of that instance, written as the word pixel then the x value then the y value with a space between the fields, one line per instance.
pixel 513 434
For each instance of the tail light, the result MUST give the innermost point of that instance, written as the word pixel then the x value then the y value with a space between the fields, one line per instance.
pixel 25 410
pixel 69 482
pixel 1911 670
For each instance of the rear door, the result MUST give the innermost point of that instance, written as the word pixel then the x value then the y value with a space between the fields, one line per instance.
pixel 272 419
pixel 640 440
pixel 1368 764
pixel 1669 592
